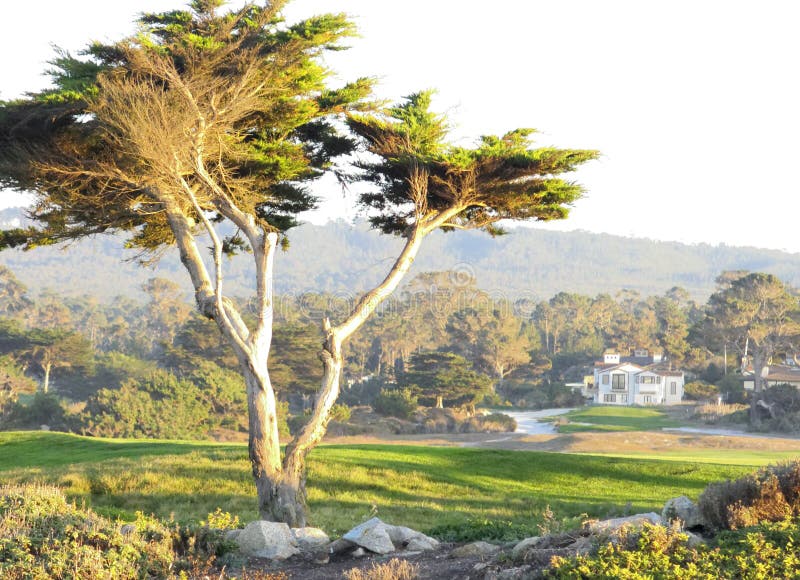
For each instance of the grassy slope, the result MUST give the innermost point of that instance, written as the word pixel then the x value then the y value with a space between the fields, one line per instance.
pixel 421 487
pixel 617 419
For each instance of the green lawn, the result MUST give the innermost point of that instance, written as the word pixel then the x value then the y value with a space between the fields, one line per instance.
pixel 612 418
pixel 421 487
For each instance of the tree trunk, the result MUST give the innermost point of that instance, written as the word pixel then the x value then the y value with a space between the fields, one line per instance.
pixel 46 382
pixel 439 402
pixel 758 386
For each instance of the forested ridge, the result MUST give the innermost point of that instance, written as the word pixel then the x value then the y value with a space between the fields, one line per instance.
pixel 527 263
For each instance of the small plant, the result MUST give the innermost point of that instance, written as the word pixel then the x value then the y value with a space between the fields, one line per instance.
pixel 394 569
pixel 221 520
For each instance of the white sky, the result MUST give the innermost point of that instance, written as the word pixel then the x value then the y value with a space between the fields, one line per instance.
pixel 695 104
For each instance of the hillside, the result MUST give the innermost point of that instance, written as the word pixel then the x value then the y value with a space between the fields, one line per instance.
pixel 342 258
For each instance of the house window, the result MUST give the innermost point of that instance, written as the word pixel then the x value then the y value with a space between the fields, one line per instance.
pixel 647 380
pixel 605 379
pixel 673 388
pixel 658 380
pixel 618 382
pixel 623 398
pixel 647 399
pixel 609 398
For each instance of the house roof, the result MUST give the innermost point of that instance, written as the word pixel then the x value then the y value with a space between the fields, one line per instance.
pixel 651 369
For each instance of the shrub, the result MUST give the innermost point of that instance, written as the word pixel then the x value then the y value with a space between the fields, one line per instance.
pixel 769 495
pixel 700 391
pixel 766 551
pixel 394 569
pixel 400 403
pixel 159 407
pixel 43 409
pixel 42 535
pixel 341 413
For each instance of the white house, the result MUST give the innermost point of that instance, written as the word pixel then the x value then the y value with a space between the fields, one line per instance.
pixel 774 375
pixel 626 383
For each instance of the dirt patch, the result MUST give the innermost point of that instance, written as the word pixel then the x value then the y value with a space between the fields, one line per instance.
pixel 607 442
pixel 436 564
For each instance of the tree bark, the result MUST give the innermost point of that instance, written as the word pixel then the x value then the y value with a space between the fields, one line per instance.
pixel 46 383
pixel 758 386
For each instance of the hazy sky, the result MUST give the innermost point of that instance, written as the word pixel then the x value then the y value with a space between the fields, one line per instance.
pixel 693 103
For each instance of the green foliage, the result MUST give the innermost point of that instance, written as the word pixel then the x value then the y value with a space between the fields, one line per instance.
pixel 341 413
pixel 160 407
pixel 501 178
pixel 120 106
pixel 482 529
pixel 700 391
pixel 43 535
pixel 42 409
pixel 400 403
pixel 766 551
pixel 445 376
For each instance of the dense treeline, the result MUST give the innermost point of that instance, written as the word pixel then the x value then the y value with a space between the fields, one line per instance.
pixel 528 263
pixel 155 368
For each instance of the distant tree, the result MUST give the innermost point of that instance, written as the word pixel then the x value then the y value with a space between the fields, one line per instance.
pixel 445 378
pixel 498 340
pixel 758 316
pixel 57 349
pixel 13 294
pixel 165 312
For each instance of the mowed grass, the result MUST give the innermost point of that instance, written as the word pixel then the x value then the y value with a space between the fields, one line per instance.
pixel 612 418
pixel 421 487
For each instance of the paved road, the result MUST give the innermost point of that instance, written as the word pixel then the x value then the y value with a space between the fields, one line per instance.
pixel 528 422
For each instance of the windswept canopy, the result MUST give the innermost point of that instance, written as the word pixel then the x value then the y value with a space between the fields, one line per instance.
pixel 419 175
pixel 196 98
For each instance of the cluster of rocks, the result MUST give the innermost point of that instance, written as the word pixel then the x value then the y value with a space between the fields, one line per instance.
pixel 522 559
pixel 277 541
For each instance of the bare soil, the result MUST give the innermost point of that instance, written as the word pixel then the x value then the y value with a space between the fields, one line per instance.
pixel 436 564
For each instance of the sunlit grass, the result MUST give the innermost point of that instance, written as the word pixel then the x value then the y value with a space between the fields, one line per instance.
pixel 614 418
pixel 421 487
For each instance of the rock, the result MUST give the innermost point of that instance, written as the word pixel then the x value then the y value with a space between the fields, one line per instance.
pixel 358 553
pixel 615 524
pixel 262 539
pixel 401 535
pixel 581 546
pixel 514 573
pixel 422 543
pixel 518 553
pixel 310 540
pixel 339 546
pixel 475 550
pixel 694 540
pixel 127 529
pixel 684 509
pixel 371 535
pixel 231 535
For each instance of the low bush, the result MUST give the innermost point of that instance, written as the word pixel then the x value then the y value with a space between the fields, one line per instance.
pixel 766 551
pixel 769 495
pixel 43 535
pixel 400 403
pixel 700 391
